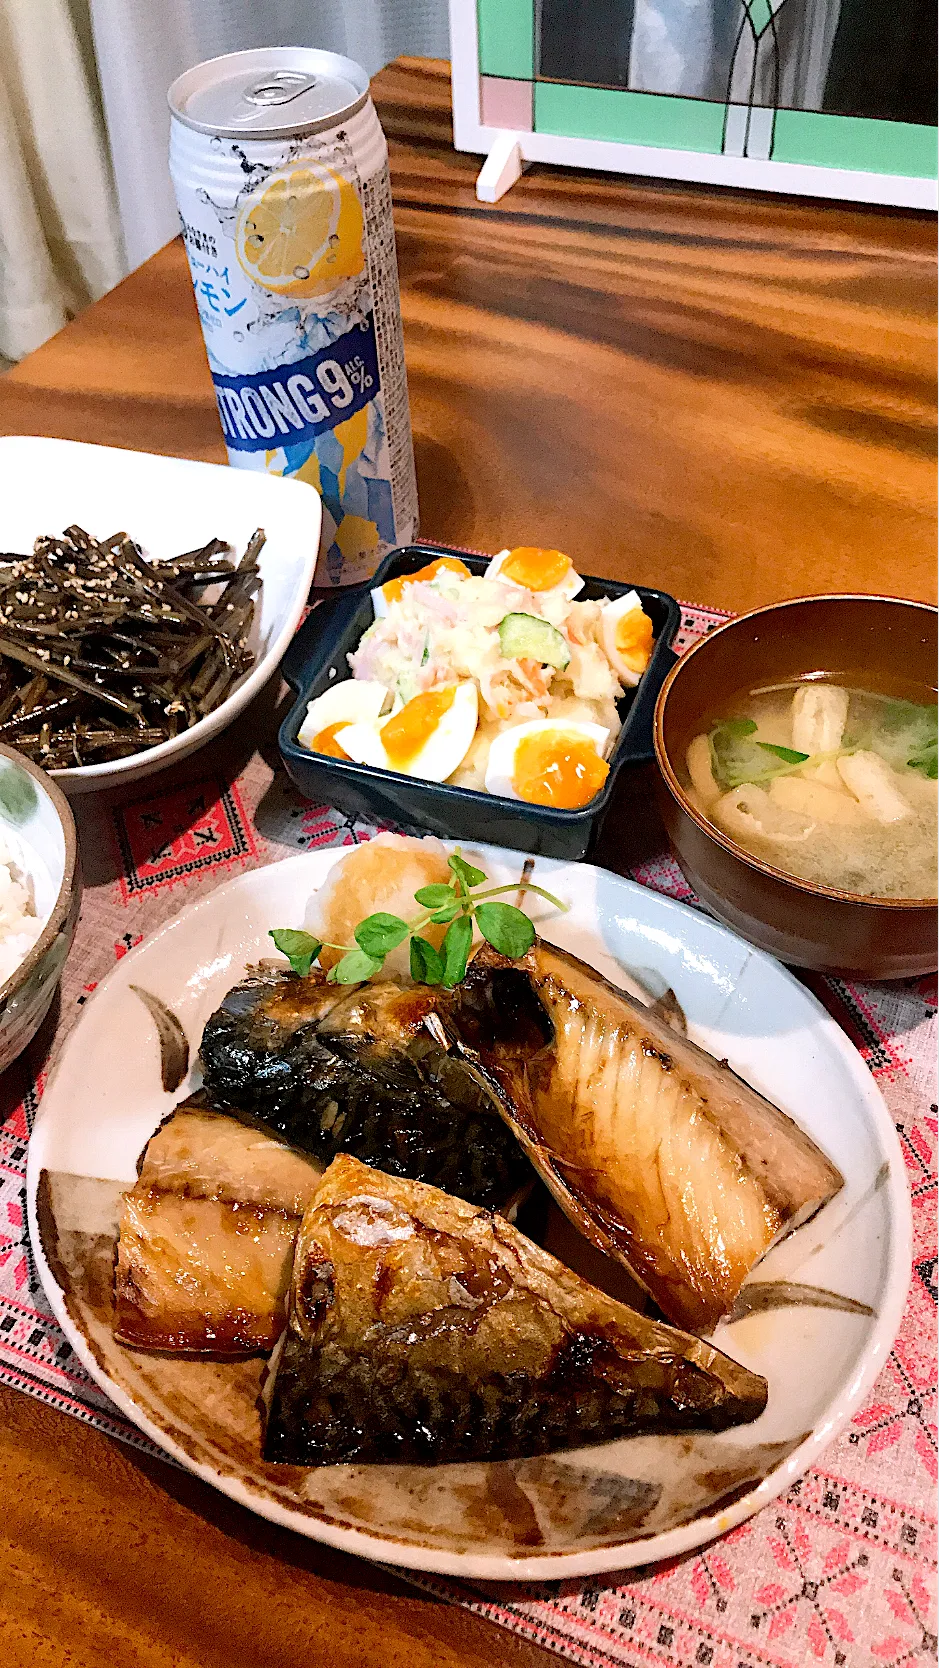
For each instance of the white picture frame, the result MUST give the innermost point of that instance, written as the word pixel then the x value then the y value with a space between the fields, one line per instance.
pixel 509 148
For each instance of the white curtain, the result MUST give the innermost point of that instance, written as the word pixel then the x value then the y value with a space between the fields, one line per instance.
pixel 85 195
pixel 672 47
pixel 60 240
pixel 686 46
pixel 142 45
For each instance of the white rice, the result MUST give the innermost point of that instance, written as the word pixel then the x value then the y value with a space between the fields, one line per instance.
pixel 19 924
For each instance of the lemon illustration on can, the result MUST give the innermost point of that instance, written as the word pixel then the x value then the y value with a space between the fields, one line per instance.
pixel 300 234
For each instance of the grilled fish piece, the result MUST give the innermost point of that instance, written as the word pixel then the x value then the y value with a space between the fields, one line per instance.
pixel 422 1329
pixel 657 1152
pixel 207 1237
pixel 338 1069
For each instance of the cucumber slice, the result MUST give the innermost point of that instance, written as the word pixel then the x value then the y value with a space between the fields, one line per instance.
pixel 524 637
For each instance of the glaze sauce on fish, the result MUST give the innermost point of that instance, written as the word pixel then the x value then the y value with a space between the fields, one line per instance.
pixel 207 1236
pixel 424 1330
pixel 658 1153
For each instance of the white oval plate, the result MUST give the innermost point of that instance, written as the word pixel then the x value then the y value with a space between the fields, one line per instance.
pixel 610 1507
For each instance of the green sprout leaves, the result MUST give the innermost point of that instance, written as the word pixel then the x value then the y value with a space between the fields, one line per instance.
pixel 507 929
pixel 355 966
pixel 300 948
pixel 456 905
pixel 435 897
pixel 379 934
pixel 466 875
pixel 457 942
pixel 426 962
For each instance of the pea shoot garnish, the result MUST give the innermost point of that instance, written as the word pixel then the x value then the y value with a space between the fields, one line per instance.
pixel 458 903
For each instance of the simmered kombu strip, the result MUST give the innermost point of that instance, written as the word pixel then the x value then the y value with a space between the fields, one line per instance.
pixel 90 615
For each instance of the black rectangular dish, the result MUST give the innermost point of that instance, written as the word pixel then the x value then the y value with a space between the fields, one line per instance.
pixel 317 658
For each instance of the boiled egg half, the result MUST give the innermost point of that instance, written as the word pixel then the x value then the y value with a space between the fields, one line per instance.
pixel 394 589
pixel 546 572
pixel 352 701
pixel 429 736
pixel 626 635
pixel 549 761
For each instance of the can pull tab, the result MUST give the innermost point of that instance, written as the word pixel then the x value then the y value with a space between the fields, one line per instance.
pixel 279 88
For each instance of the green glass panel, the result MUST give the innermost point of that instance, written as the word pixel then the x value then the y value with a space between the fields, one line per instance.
pixel 855 142
pixel 760 13
pixel 681 124
pixel 506 37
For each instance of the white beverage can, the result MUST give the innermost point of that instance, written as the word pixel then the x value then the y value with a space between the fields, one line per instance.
pixel 280 169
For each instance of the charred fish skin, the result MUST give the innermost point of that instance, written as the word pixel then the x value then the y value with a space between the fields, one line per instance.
pixel 659 1154
pixel 423 1330
pixel 259 1049
pixel 333 1069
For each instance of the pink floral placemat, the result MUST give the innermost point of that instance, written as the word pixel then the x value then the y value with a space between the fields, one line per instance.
pixel 840 1572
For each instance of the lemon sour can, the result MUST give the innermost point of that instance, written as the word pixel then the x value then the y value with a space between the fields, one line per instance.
pixel 280 169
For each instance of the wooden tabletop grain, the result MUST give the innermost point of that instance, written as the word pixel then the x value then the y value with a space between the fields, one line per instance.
pixel 724 395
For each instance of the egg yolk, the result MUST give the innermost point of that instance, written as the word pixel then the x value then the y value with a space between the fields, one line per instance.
pixel 404 735
pixel 558 767
pixel 394 590
pixel 633 639
pixel 326 741
pixel 537 570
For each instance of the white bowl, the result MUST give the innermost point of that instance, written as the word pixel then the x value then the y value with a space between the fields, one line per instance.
pixel 167 505
pixel 39 831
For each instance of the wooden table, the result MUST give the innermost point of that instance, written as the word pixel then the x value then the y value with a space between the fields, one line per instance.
pixel 724 395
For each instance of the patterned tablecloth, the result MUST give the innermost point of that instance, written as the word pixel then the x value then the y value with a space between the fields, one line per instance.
pixel 838 1572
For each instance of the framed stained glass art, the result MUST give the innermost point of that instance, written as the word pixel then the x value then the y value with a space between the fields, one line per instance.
pixel 824 98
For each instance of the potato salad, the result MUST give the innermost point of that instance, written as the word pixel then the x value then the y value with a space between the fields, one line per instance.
pixel 504 681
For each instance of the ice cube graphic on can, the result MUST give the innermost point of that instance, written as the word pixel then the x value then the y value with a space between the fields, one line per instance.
pixel 280 169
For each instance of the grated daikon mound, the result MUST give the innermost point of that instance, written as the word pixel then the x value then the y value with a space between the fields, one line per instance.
pixel 381 874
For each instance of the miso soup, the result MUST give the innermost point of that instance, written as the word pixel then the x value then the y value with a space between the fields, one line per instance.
pixel 836 786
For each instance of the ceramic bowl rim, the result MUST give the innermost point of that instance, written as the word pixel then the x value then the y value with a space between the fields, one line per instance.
pixel 69 872
pixel 111 773
pixel 716 835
